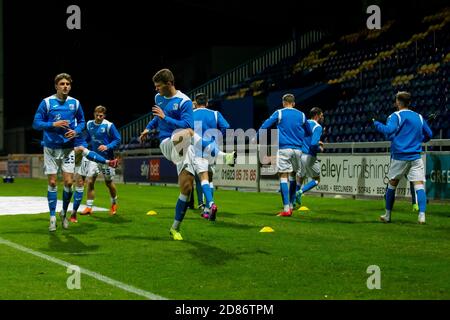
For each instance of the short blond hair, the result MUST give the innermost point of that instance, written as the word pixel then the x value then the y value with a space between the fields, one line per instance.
pixel 61 76
pixel 100 109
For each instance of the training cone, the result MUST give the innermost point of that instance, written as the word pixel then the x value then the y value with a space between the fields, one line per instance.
pixel 151 213
pixel 303 208
pixel 267 229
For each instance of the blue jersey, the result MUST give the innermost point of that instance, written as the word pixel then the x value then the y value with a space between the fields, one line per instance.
pixel 178 115
pixel 406 130
pixel 292 127
pixel 50 110
pixel 206 125
pixel 311 145
pixel 104 133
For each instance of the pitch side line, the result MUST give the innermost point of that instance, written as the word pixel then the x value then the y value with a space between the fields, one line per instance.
pixel 87 272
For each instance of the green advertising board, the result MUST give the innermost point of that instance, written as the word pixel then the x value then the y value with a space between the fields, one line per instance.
pixel 438 176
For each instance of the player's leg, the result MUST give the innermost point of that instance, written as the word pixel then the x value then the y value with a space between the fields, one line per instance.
pixel 416 174
pixel 68 169
pixel 90 182
pixel 292 187
pixel 52 161
pixel 93 156
pixel 415 205
pixel 77 196
pixel 284 167
pixel 198 189
pixel 113 193
pixel 397 169
pixel 210 204
pixel 185 181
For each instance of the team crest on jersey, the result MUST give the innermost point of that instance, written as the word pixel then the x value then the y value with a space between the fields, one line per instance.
pixel 102 130
pixel 57 117
pixel 71 106
pixel 175 106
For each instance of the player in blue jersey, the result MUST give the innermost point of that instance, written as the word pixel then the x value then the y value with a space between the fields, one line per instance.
pixel 409 131
pixel 292 129
pixel 61 119
pixel 103 137
pixel 174 119
pixel 310 164
pixel 208 126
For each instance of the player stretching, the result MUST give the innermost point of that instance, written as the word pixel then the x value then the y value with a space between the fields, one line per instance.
pixel 207 125
pixel 173 111
pixel 409 130
pixel 103 137
pixel 292 129
pixel 310 165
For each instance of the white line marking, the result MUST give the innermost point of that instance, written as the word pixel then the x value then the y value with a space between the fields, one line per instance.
pixel 87 272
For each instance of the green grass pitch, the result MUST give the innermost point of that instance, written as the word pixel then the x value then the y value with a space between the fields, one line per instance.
pixel 321 254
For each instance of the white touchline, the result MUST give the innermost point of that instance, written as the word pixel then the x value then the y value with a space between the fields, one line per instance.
pixel 92 274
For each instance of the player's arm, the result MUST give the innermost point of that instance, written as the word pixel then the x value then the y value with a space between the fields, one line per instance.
pixel 41 121
pixel 187 118
pixel 222 124
pixel 390 127
pixel 114 136
pixel 427 133
pixel 315 139
pixel 307 127
pixel 150 126
pixel 81 123
pixel 267 124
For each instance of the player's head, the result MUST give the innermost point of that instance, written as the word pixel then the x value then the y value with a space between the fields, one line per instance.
pixel 164 82
pixel 288 100
pixel 402 99
pixel 201 99
pixel 99 114
pixel 316 114
pixel 63 84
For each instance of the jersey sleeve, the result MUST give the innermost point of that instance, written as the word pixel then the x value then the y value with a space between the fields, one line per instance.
pixel 115 137
pixel 81 123
pixel 187 117
pixel 222 124
pixel 40 121
pixel 153 124
pixel 307 127
pixel 316 134
pixel 390 127
pixel 426 131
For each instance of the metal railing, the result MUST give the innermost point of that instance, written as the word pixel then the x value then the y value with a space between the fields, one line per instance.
pixel 235 76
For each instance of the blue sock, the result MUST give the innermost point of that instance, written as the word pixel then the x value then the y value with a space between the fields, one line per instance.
pixel 180 209
pixel 52 197
pixel 93 156
pixel 297 187
pixel 309 185
pixel 292 190
pixel 77 198
pixel 198 188
pixel 421 198
pixel 207 191
pixel 390 197
pixel 67 195
pixel 284 192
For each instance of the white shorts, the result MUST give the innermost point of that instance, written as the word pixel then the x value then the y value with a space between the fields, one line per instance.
pixel 288 160
pixel 82 166
pixel 310 166
pixel 183 162
pixel 413 169
pixel 203 165
pixel 55 159
pixel 94 169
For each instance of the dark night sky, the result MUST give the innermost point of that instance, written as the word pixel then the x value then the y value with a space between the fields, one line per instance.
pixel 120 46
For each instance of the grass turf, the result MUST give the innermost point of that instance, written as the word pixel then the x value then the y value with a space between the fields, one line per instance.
pixel 321 254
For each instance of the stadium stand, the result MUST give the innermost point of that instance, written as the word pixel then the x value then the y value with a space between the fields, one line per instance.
pixel 356 76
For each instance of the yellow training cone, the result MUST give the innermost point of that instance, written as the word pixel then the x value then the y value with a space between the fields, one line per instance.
pixel 267 229
pixel 303 208
pixel 151 213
